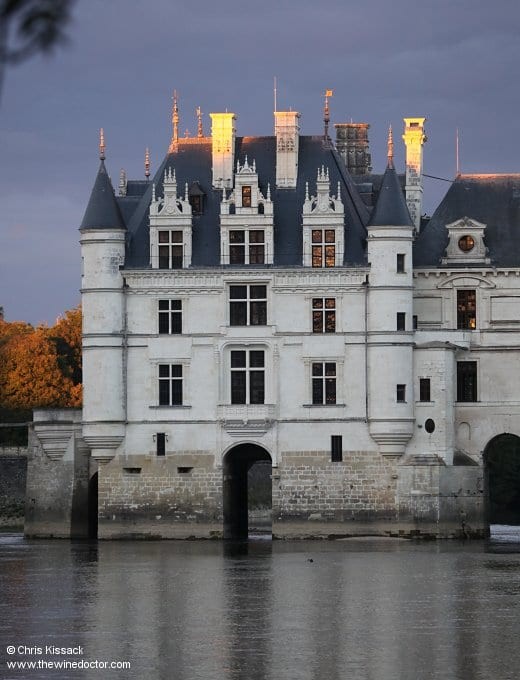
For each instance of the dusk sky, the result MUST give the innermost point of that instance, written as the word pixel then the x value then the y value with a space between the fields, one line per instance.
pixel 454 61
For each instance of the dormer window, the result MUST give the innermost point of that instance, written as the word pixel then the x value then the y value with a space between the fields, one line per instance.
pixel 323 225
pixel 466 243
pixel 196 198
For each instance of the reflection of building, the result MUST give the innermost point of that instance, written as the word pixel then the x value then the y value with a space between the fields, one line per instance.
pixel 250 304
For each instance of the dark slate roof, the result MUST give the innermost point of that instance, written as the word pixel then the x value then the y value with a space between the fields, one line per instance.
pixel 102 210
pixel 391 208
pixel 369 186
pixel 493 200
pixel 192 163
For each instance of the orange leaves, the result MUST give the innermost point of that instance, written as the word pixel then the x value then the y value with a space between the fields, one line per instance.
pixel 41 367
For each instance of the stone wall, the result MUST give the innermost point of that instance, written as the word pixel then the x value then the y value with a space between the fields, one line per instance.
pixel 178 496
pixel 13 475
pixel 313 496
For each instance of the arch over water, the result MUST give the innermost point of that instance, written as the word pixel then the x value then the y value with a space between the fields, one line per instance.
pixel 502 467
pixel 246 470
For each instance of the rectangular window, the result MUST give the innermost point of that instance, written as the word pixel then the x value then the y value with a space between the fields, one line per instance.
pixel 323 315
pixel 246 196
pixel 400 263
pixel 466 309
pixel 400 393
pixel 246 246
pixel 323 247
pixel 336 448
pixel 415 321
pixel 248 305
pixel 401 321
pixel 160 439
pixel 247 376
pixel 424 389
pixel 170 316
pixel 466 381
pixel 170 384
pixel 170 250
pixel 324 382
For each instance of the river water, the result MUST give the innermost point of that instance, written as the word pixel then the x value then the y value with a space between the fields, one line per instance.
pixel 367 609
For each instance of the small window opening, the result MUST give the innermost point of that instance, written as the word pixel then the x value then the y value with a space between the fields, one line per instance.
pixel 400 263
pixel 424 389
pixel 336 448
pixel 429 426
pixel 400 393
pixel 132 470
pixel 160 439
pixel 401 321
pixel 184 470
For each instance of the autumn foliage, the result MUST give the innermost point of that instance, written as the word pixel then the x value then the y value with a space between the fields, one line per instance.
pixel 41 367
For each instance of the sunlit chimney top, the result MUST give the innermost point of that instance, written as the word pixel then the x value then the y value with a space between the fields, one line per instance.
pixel 147 163
pixel 200 131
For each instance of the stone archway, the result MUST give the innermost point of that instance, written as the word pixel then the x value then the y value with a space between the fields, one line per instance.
pixel 502 474
pixel 246 467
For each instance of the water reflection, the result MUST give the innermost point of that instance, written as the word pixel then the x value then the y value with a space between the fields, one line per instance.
pixel 357 609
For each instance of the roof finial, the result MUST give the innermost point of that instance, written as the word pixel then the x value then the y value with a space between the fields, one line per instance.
pixel 102 145
pixel 390 153
pixel 175 123
pixel 326 112
pixel 200 131
pixel 147 163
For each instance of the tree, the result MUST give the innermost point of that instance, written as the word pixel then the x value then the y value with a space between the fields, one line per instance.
pixel 29 27
pixel 41 367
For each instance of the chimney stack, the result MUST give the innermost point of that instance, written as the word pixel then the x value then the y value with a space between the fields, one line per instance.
pixel 223 132
pixel 286 130
pixel 352 145
pixel 414 139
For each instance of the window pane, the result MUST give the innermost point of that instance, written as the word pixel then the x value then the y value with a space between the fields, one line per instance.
pixel 317 256
pixel 330 390
pixel 163 322
pixel 256 387
pixel 256 358
pixel 316 235
pixel 164 371
pixel 164 257
pixel 238 386
pixel 317 391
pixel 330 236
pixel 317 303
pixel 246 196
pixel 177 392
pixel 330 303
pixel 176 257
pixel 258 292
pixel 176 371
pixel 256 254
pixel 258 314
pixel 238 292
pixel 164 304
pixel 330 256
pixel 176 304
pixel 330 369
pixel 176 321
pixel 330 322
pixel 238 359
pixel 317 322
pixel 176 236
pixel 164 392
pixel 256 236
pixel 164 237
pixel 237 237
pixel 238 314
pixel 317 369
pixel 237 255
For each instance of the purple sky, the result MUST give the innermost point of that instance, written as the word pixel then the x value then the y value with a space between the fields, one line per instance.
pixel 455 62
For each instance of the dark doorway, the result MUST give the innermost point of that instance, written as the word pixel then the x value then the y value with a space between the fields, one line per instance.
pixel 93 506
pixel 247 491
pixel 502 467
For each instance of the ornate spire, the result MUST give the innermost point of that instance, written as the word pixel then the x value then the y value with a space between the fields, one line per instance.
pixel 175 123
pixel 326 112
pixel 390 153
pixel 102 145
pixel 147 163
pixel 200 131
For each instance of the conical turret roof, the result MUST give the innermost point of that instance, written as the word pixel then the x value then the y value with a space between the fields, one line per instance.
pixel 390 208
pixel 102 210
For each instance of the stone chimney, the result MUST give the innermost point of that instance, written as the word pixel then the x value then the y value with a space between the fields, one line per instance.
pixel 414 139
pixel 352 145
pixel 223 132
pixel 286 130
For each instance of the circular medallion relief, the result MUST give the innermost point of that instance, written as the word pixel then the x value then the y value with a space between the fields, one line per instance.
pixel 466 243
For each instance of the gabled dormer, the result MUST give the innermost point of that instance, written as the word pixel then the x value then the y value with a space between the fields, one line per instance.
pixel 170 226
pixel 246 220
pixel 323 225
pixel 466 243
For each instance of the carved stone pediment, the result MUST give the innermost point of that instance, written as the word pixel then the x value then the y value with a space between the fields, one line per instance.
pixel 466 243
